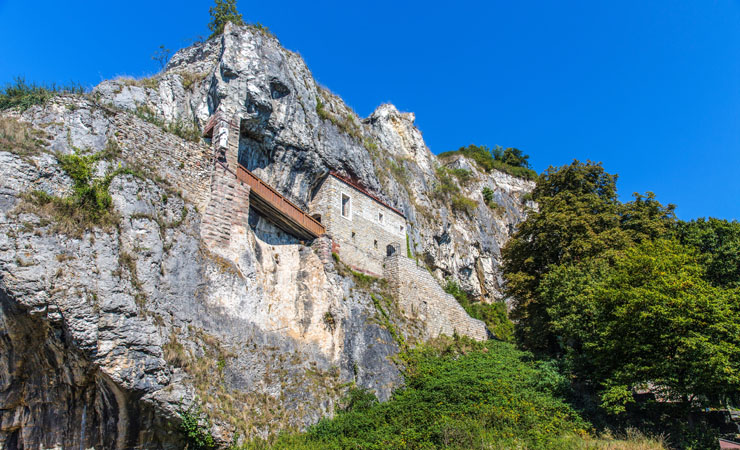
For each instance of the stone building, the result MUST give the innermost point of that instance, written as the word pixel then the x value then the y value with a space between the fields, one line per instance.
pixel 364 229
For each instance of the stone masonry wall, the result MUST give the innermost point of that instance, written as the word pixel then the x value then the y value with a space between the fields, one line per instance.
pixel 227 213
pixel 361 238
pixel 422 300
pixel 186 165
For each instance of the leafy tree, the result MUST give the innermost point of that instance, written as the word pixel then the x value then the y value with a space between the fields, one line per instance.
pixel 515 157
pixel 718 241
pixel 645 317
pixel 578 217
pixel 223 11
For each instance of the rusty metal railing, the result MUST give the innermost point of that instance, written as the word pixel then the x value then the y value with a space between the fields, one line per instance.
pixel 277 201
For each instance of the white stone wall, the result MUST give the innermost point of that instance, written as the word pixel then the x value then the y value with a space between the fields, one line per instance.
pixel 362 237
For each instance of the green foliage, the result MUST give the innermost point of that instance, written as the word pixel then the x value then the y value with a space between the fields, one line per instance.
pixel 488 198
pixel 459 394
pixel 194 426
pixel 89 204
pixel 90 194
pixel 463 204
pixel 578 217
pixel 718 242
pixel 492 314
pixel 222 12
pixel 645 316
pixel 22 95
pixel 511 160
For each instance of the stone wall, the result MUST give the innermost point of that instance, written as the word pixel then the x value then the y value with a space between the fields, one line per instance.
pixel 186 165
pixel 227 214
pixel 361 238
pixel 422 300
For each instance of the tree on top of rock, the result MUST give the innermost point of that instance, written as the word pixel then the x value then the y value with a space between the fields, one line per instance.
pixel 224 11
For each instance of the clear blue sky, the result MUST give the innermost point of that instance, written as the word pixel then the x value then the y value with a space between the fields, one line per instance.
pixel 651 88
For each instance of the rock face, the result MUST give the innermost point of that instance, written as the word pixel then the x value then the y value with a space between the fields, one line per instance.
pixel 110 330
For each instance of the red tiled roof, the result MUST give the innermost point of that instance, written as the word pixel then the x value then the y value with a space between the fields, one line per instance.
pixel 361 189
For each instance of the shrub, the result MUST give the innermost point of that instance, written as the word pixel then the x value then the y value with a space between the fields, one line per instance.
pixel 488 198
pixel 462 204
pixel 458 394
pixel 511 160
pixel 22 95
pixel 194 428
pixel 492 314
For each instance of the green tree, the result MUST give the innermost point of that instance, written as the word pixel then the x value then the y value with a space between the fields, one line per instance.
pixel 223 11
pixel 645 317
pixel 515 157
pixel 718 241
pixel 577 218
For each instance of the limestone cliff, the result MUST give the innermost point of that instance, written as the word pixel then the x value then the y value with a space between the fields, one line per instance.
pixel 108 330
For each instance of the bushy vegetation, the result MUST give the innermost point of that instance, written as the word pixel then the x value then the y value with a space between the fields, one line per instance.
pixel 448 189
pixel 194 426
pixel 22 95
pixel 89 204
pixel 488 198
pixel 459 394
pixel 492 314
pixel 629 300
pixel 510 160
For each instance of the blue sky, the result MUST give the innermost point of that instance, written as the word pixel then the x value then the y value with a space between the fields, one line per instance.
pixel 650 88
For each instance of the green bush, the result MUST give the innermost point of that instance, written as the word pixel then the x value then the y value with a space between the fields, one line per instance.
pixel 459 394
pixel 22 95
pixel 194 428
pixel 492 314
pixel 511 160
pixel 462 204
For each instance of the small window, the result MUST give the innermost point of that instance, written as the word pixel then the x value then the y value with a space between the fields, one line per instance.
pixel 375 243
pixel 346 205
pixel 380 217
pixel 400 228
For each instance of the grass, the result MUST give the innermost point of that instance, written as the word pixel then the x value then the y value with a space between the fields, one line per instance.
pixel 145 82
pixel 20 138
pixel 492 314
pixel 178 127
pixel 190 79
pixel 22 95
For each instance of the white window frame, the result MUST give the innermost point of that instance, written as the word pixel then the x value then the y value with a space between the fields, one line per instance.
pixel 343 194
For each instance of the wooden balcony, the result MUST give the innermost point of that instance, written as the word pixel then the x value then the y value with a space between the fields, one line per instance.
pixel 278 209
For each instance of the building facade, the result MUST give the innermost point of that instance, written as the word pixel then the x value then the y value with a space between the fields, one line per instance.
pixel 364 229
